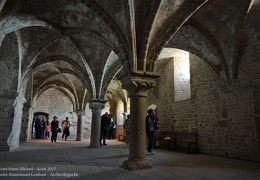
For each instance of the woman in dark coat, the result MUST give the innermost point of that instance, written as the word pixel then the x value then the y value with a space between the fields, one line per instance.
pixel 151 127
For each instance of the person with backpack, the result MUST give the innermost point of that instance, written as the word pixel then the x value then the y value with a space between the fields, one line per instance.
pixel 65 128
pixel 54 129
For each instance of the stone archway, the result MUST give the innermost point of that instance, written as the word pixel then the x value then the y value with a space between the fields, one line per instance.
pixel 45 117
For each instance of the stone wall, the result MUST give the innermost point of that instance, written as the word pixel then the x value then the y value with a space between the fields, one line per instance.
pixel 57 104
pixel 9 76
pixel 224 117
pixel 119 119
pixel 7 115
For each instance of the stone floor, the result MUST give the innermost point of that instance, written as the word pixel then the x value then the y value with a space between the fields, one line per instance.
pixel 41 159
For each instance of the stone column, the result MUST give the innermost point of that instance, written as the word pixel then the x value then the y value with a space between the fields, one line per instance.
pixel 79 126
pixel 13 139
pixel 140 83
pixel 30 124
pixel 25 123
pixel 96 106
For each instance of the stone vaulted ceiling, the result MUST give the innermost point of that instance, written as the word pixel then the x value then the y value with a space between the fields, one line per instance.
pixel 81 45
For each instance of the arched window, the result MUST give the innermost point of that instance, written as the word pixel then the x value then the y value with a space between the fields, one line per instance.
pixel 181 76
pixel 181 72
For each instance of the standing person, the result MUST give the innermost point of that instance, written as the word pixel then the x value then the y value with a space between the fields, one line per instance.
pixel 105 123
pixel 48 129
pixel 150 129
pixel 111 129
pixel 156 127
pixel 54 128
pixel 42 128
pixel 127 128
pixel 37 126
pixel 65 128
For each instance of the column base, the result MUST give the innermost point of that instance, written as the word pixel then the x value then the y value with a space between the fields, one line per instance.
pixel 137 164
pixel 94 145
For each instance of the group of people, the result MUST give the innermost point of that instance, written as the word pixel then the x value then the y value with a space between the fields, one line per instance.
pixel 107 128
pixel 43 129
pixel 65 125
pixel 151 124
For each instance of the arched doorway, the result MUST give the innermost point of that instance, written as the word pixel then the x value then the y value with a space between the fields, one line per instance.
pixel 38 115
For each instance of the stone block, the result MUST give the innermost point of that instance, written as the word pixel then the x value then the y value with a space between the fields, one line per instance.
pixel 257 125
pixel 2 100
pixel 223 123
pixel 6 122
pixel 11 115
pixel 256 95
pixel 3 142
pixel 10 102
pixel 257 107
pixel 5 135
pixel 4 148
pixel 8 109
pixel 7 129
pixel 3 115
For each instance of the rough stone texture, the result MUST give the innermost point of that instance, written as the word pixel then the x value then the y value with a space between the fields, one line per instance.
pixel 223 117
pixel 13 139
pixel 62 108
pixel 10 122
pixel 181 79
pixel 77 48
pixel 137 164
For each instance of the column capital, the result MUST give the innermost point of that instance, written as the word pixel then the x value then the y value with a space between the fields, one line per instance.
pixel 81 112
pixel 140 81
pixel 97 103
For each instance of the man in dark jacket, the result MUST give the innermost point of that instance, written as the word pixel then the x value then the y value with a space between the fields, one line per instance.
pixel 105 124
pixel 54 129
pixel 151 127
pixel 37 128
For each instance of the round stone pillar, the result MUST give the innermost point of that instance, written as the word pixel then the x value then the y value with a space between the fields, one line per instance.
pixel 140 83
pixel 96 106
pixel 79 127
